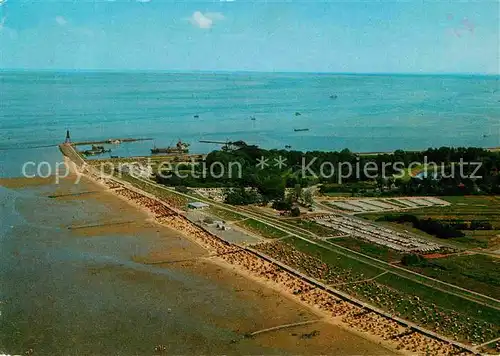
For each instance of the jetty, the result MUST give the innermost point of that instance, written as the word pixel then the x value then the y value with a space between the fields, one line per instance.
pixel 110 141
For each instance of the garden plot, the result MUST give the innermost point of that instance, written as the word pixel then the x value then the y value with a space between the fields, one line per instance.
pixel 363 204
pixel 383 204
pixel 437 201
pixel 371 205
pixel 406 203
pixel 421 202
pixel 345 206
pixel 377 234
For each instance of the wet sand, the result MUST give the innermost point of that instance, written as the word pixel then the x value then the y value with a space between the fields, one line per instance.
pixel 275 309
pixel 121 289
pixel 14 183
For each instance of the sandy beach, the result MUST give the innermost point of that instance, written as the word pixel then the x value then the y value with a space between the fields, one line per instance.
pixel 375 328
pixel 227 298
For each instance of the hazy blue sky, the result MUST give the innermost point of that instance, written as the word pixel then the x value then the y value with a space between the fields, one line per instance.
pixel 333 36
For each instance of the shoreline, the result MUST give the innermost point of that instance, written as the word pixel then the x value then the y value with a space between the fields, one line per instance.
pixel 324 316
pixel 371 326
pixel 364 153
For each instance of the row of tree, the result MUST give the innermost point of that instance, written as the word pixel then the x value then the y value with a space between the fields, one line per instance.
pixel 441 229
pixel 238 168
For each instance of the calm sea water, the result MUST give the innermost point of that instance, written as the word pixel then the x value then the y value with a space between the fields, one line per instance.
pixel 370 113
pixel 62 294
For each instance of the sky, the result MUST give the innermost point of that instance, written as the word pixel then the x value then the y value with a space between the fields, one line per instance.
pixel 252 35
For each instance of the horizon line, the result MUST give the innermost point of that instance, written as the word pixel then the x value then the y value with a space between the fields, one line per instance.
pixel 208 71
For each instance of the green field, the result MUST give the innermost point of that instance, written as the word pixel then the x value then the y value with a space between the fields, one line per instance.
pixel 478 273
pixel 313 227
pixel 224 214
pixel 261 229
pixel 441 312
pixel 378 251
pixel 463 208
pixel 442 299
pixel 436 309
pixel 358 270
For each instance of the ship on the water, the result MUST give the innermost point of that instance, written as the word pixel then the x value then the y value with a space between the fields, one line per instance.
pixel 96 150
pixel 298 130
pixel 180 147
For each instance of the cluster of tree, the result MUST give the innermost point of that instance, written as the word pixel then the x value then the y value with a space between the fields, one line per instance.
pixel 241 196
pixel 287 206
pixel 347 187
pixel 488 184
pixel 238 168
pixel 471 225
pixel 443 230
pixel 235 169
pixel 479 225
pixel 298 196
pixel 413 260
pixel 283 205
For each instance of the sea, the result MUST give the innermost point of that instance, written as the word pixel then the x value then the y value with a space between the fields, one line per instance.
pixel 65 294
pixel 363 113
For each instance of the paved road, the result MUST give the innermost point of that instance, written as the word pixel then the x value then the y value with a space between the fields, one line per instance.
pixel 438 241
pixel 401 272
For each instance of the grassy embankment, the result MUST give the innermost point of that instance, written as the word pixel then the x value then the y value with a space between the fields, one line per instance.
pixel 438 310
pixel 314 227
pixel 176 200
pixel 261 229
pixel 479 273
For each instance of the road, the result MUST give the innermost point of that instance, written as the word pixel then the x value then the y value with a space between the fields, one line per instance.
pixel 399 271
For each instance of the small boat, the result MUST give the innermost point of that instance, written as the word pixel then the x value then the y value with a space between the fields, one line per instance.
pixel 196 116
pixel 297 113
pixel 252 118
pixel 299 130
pixel 334 96
pixel 288 146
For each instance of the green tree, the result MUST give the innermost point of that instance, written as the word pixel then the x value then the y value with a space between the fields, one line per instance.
pixel 297 193
pixel 295 211
pixel 272 187
pixel 307 196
